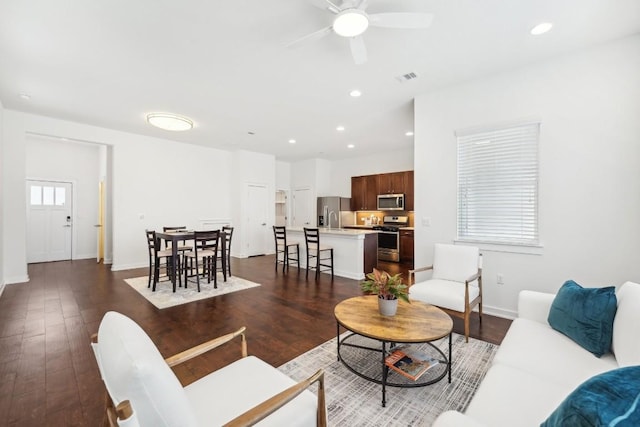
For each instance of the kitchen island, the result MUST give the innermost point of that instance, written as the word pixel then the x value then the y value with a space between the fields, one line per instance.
pixel 355 252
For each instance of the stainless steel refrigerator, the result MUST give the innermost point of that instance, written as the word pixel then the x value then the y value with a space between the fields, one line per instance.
pixel 335 212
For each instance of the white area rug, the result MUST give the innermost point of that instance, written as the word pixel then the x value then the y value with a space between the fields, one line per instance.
pixel 353 401
pixel 164 296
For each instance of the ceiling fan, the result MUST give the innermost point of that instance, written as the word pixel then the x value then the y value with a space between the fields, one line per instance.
pixel 351 21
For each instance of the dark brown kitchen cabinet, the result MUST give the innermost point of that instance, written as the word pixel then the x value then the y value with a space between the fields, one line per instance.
pixel 408 191
pixel 364 193
pixel 391 183
pixel 406 247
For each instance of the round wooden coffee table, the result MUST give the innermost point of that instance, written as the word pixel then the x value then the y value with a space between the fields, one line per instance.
pixel 415 322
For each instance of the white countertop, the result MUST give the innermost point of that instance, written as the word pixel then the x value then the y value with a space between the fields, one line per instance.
pixel 336 231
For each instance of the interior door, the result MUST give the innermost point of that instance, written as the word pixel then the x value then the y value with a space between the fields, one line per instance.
pixel 100 224
pixel 49 221
pixel 303 216
pixel 256 220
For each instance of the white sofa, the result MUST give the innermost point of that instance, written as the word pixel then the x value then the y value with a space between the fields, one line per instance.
pixel 536 367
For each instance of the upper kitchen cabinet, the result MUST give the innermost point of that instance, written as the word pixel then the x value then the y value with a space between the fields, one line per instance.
pixel 408 190
pixel 364 193
pixel 391 183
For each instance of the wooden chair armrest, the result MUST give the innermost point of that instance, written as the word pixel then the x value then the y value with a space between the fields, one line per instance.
pixel 209 345
pixel 474 277
pixel 269 406
pixel 417 270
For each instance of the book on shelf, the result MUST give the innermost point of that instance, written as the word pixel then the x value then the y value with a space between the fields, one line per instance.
pixel 410 362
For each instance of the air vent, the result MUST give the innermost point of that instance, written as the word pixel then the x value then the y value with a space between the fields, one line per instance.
pixel 406 77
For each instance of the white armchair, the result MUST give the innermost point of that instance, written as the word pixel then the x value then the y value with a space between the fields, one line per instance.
pixel 456 283
pixel 246 392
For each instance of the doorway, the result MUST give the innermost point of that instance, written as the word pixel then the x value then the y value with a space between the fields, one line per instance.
pixel 256 219
pixel 49 221
pixel 302 213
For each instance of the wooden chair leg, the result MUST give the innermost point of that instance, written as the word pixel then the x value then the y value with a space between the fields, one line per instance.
pixel 332 263
pixel 466 326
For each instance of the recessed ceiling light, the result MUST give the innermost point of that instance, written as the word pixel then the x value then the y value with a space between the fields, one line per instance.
pixel 350 146
pixel 355 93
pixel 350 23
pixel 292 141
pixel 340 128
pixel 25 96
pixel 409 133
pixel 541 28
pixel 168 121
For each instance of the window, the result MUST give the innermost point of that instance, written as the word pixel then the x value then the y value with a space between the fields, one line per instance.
pixel 498 185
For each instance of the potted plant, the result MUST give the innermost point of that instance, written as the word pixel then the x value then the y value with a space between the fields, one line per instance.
pixel 388 288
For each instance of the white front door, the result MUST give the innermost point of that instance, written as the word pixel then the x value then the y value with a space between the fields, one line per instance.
pixel 303 216
pixel 49 221
pixel 256 219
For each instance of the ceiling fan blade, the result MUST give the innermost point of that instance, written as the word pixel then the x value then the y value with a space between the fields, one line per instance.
pixel 401 20
pixel 363 4
pixel 326 5
pixel 316 35
pixel 358 50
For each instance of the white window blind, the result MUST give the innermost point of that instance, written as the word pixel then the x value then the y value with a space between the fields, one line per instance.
pixel 498 185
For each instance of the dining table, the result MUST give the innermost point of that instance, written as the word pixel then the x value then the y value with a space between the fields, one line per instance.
pixel 177 236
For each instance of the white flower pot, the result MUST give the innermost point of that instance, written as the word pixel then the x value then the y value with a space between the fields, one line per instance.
pixel 387 307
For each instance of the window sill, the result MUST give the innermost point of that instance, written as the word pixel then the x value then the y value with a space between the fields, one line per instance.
pixel 503 247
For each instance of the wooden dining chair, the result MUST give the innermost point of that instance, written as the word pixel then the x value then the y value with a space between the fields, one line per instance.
pixel 204 256
pixel 227 235
pixel 323 255
pixel 155 258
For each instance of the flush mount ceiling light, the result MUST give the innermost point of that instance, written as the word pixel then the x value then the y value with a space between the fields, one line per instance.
pixel 541 28
pixel 340 128
pixel 409 133
pixel 350 146
pixel 350 23
pixel 168 121
pixel 292 141
pixel 355 93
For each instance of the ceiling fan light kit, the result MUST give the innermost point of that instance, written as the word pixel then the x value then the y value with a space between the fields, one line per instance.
pixel 350 23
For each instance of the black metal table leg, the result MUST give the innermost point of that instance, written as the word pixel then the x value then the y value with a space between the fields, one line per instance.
pixel 450 358
pixel 338 340
pixel 385 372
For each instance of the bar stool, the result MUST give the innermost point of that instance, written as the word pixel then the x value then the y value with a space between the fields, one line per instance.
pixel 205 254
pixel 284 248
pixel 315 250
pixel 155 256
pixel 227 234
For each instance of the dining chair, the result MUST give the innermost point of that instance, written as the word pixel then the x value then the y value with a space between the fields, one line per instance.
pixel 227 235
pixel 284 248
pixel 323 255
pixel 142 389
pixel 204 255
pixel 155 257
pixel 455 284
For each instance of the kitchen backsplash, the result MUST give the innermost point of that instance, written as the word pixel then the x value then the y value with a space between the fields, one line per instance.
pixel 362 216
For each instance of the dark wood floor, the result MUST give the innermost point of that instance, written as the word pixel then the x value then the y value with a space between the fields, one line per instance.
pixel 48 374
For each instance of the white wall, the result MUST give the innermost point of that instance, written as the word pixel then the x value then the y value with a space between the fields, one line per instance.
pixel 2 214
pixel 163 181
pixel 589 107
pixel 77 163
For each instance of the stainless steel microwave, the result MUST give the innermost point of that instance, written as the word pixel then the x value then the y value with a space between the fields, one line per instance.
pixel 391 202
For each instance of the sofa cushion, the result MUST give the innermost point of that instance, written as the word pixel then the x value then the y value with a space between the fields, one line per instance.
pixel 625 344
pixel 443 293
pixel 133 369
pixel 608 399
pixel 242 385
pixel 509 397
pixel 585 315
pixel 547 354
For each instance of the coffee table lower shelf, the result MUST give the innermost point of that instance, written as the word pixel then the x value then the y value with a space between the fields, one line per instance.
pixel 365 357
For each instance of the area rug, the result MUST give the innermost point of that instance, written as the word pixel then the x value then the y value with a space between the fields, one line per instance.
pixel 164 296
pixel 353 401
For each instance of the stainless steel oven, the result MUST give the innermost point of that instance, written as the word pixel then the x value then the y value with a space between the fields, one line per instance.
pixel 389 237
pixel 389 245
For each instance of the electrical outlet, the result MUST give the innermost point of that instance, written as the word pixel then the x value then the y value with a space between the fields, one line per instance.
pixel 426 221
pixel 500 279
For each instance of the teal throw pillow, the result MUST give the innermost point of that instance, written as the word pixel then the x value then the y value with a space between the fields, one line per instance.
pixel 609 399
pixel 585 315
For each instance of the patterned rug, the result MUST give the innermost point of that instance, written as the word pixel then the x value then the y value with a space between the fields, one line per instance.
pixel 164 296
pixel 353 401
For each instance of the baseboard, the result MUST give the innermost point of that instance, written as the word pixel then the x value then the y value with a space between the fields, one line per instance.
pixel 1 289
pixel 120 267
pixel 84 256
pixel 17 279
pixel 499 312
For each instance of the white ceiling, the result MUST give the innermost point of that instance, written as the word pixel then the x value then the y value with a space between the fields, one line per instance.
pixel 224 64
